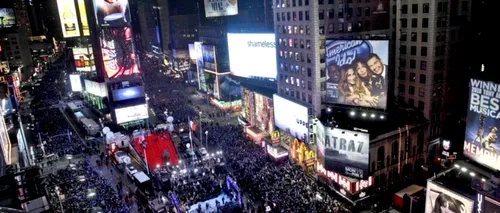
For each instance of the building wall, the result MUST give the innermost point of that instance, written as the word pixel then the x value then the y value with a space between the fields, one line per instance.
pixel 164 23
pixel 184 30
pixel 16 49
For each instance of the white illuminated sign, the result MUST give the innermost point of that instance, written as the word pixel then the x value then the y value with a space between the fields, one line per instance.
pixel 68 18
pixel 291 117
pixel 252 55
pixel 215 8
pixel 76 83
pixel 127 114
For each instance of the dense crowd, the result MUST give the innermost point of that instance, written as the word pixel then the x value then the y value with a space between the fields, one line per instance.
pixel 80 188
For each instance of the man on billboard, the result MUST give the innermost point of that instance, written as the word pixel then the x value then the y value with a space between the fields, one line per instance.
pixel 379 71
pixel 111 11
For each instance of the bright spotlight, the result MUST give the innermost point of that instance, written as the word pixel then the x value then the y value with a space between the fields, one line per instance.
pixel 482 179
pixel 195 170
pixel 372 115
pixel 352 113
pixel 157 165
pixel 382 117
pixel 472 174
pixel 463 169
pixel 363 114
pixel 457 166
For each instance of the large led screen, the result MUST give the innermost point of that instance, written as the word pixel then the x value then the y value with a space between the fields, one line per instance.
pixel 209 59
pixel 345 152
pixel 95 88
pixel 118 52
pixel 128 93
pixel 483 121
pixel 68 18
pixel 215 8
pixel 76 83
pixel 128 114
pixel 291 117
pixel 84 59
pixel 264 113
pixel 9 18
pixel 112 13
pixel 252 55
pixel 357 72
pixel 199 66
pixel 439 199
pixel 83 18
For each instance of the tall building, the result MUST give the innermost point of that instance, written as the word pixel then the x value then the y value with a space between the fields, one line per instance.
pixel 15 47
pixel 164 23
pixel 22 17
pixel 430 70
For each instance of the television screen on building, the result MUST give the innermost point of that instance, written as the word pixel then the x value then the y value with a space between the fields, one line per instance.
pixel 291 117
pixel 483 121
pixel 128 93
pixel 84 59
pixel 118 52
pixel 357 72
pixel 258 110
pixel 68 18
pixel 216 8
pixel 345 152
pixel 199 66
pixel 112 13
pixel 133 113
pixel 9 18
pixel 96 88
pixel 83 18
pixel 441 199
pixel 76 83
pixel 252 55
pixel 209 58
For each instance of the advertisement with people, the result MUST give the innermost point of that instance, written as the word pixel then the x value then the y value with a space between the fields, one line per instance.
pixel 264 113
pixel 291 117
pixel 118 53
pixel 357 72
pixel 257 46
pixel 68 18
pixel 345 152
pixel 111 13
pixel 216 8
pixel 483 121
pixel 439 199
pixel 209 59
pixel 9 18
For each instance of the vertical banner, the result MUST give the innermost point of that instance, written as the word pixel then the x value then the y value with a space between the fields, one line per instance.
pixel 199 66
pixel 118 52
pixel 83 18
pixel 68 18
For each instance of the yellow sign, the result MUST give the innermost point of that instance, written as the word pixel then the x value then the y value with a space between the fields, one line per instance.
pixel 68 19
pixel 83 18
pixel 275 137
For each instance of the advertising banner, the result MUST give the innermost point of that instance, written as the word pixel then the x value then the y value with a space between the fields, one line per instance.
pixel 83 18
pixel 9 18
pixel 440 199
pixel 192 52
pixel 345 152
pixel 199 66
pixel 128 93
pixel 95 88
pixel 133 113
pixel 252 55
pixel 76 83
pixel 215 8
pixel 291 117
pixel 483 121
pixel 84 59
pixel 357 72
pixel 209 59
pixel 118 52
pixel 68 18
pixel 264 113
pixel 112 13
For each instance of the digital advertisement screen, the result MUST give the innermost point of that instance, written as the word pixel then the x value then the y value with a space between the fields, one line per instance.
pixel 199 66
pixel 118 52
pixel 345 152
pixel 76 83
pixel 483 121
pixel 112 13
pixel 192 52
pixel 439 199
pixel 264 113
pixel 128 114
pixel 128 93
pixel 357 72
pixel 68 18
pixel 9 18
pixel 291 117
pixel 209 59
pixel 83 18
pixel 252 55
pixel 95 88
pixel 84 59
pixel 215 8
pixel 5 141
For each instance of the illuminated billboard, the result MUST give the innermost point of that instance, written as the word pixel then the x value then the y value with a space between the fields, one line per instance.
pixel 5 141
pixel 9 18
pixel 192 52
pixel 112 13
pixel 118 52
pixel 199 66
pixel 68 18
pixel 84 59
pixel 133 113
pixel 252 55
pixel 345 152
pixel 209 59
pixel 128 93
pixel 216 8
pixel 95 88
pixel 83 18
pixel 264 113
pixel 76 83
pixel 291 117
pixel 483 121
pixel 357 72
pixel 440 199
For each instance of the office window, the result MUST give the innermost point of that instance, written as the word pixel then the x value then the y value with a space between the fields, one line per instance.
pixel 403 36
pixel 294 16
pixel 321 29
pixel 421 105
pixel 413 36
pixel 330 28
pixel 411 102
pixel 404 23
pixel 294 3
pixel 402 75
pixel 288 16
pixel 331 13
pixel 423 78
pixel 394 9
pixel 330 1
pixel 309 86
pixel 278 16
pixel 320 2
pixel 402 88
pixel 300 3
pixel 404 9
pixel 413 50
pixel 413 77
pixel 307 15
pixel 308 30
pixel 402 49
pixel 413 64
pixel 308 44
pixel 424 37
pixel 425 23
pixel 423 51
pixel 306 2
pixel 321 15
pixel 309 98
pixel 367 11
pixel 414 23
pixel 322 73
pixel 301 29
pixel 301 15
pixel 341 27
pixel 309 72
pixel 440 7
pixel 423 65
pixel 411 90
pixel 465 6
pixel 421 92
pixel 367 25
pixel 358 11
pixel 414 8
pixel 402 63
pixel 425 8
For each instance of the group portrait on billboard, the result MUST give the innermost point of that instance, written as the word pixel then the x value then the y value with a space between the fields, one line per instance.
pixel 483 121
pixel 441 200
pixel 357 72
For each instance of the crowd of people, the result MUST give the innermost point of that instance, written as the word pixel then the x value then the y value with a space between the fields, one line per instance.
pixel 80 188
